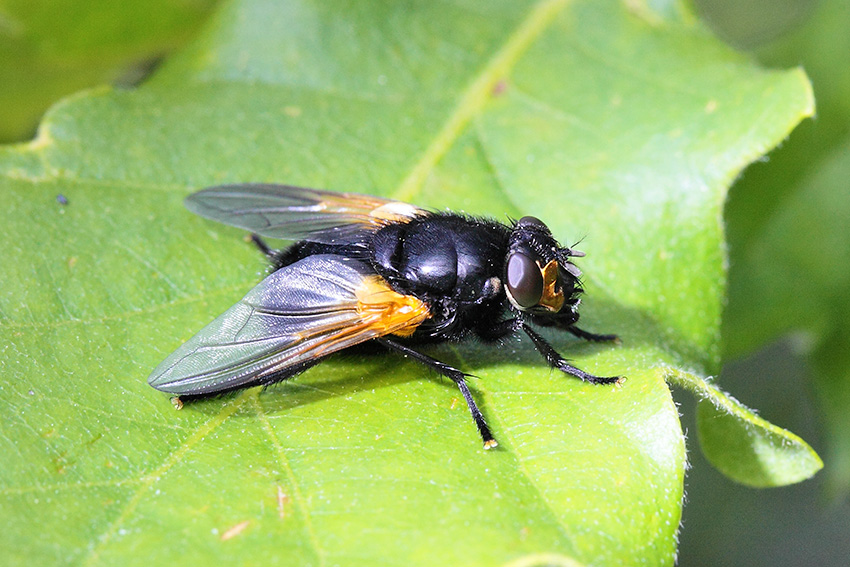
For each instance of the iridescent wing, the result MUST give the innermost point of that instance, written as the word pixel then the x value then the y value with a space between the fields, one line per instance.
pixel 298 213
pixel 300 313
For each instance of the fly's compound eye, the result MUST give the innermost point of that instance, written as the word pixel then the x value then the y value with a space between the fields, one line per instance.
pixel 525 281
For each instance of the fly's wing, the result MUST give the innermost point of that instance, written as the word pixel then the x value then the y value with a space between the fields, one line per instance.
pixel 298 213
pixel 300 313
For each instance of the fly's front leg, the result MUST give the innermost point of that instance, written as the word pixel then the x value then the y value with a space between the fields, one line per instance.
pixel 500 330
pixel 568 322
pixel 555 360
pixel 593 337
pixel 457 377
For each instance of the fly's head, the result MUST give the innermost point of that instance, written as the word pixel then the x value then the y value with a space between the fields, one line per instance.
pixel 539 278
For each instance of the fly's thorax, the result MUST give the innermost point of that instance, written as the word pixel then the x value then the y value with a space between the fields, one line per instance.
pixel 443 256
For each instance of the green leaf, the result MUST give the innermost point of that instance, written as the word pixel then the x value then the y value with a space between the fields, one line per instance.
pixel 742 445
pixel 51 49
pixel 622 127
pixel 800 261
pixel 788 237
pixel 758 309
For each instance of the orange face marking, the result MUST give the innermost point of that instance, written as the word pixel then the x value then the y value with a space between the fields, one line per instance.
pixel 552 299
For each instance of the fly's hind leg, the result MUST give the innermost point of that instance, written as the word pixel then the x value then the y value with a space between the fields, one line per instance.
pixel 457 377
pixel 262 246
pixel 278 258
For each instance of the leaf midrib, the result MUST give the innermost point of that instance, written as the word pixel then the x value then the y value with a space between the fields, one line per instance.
pixel 473 99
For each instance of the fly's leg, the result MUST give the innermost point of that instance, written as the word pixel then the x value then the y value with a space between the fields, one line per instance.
pixel 500 330
pixel 567 323
pixel 457 377
pixel 263 247
pixel 278 258
pixel 555 360
pixel 593 337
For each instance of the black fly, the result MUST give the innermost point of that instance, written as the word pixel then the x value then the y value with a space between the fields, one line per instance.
pixel 371 269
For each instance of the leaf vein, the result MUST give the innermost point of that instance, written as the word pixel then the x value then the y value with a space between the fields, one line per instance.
pixel 172 459
pixel 297 496
pixel 476 95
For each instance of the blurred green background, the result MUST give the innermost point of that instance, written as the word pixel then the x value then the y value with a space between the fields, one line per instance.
pixel 786 332
pixel 50 49
pixel 786 338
